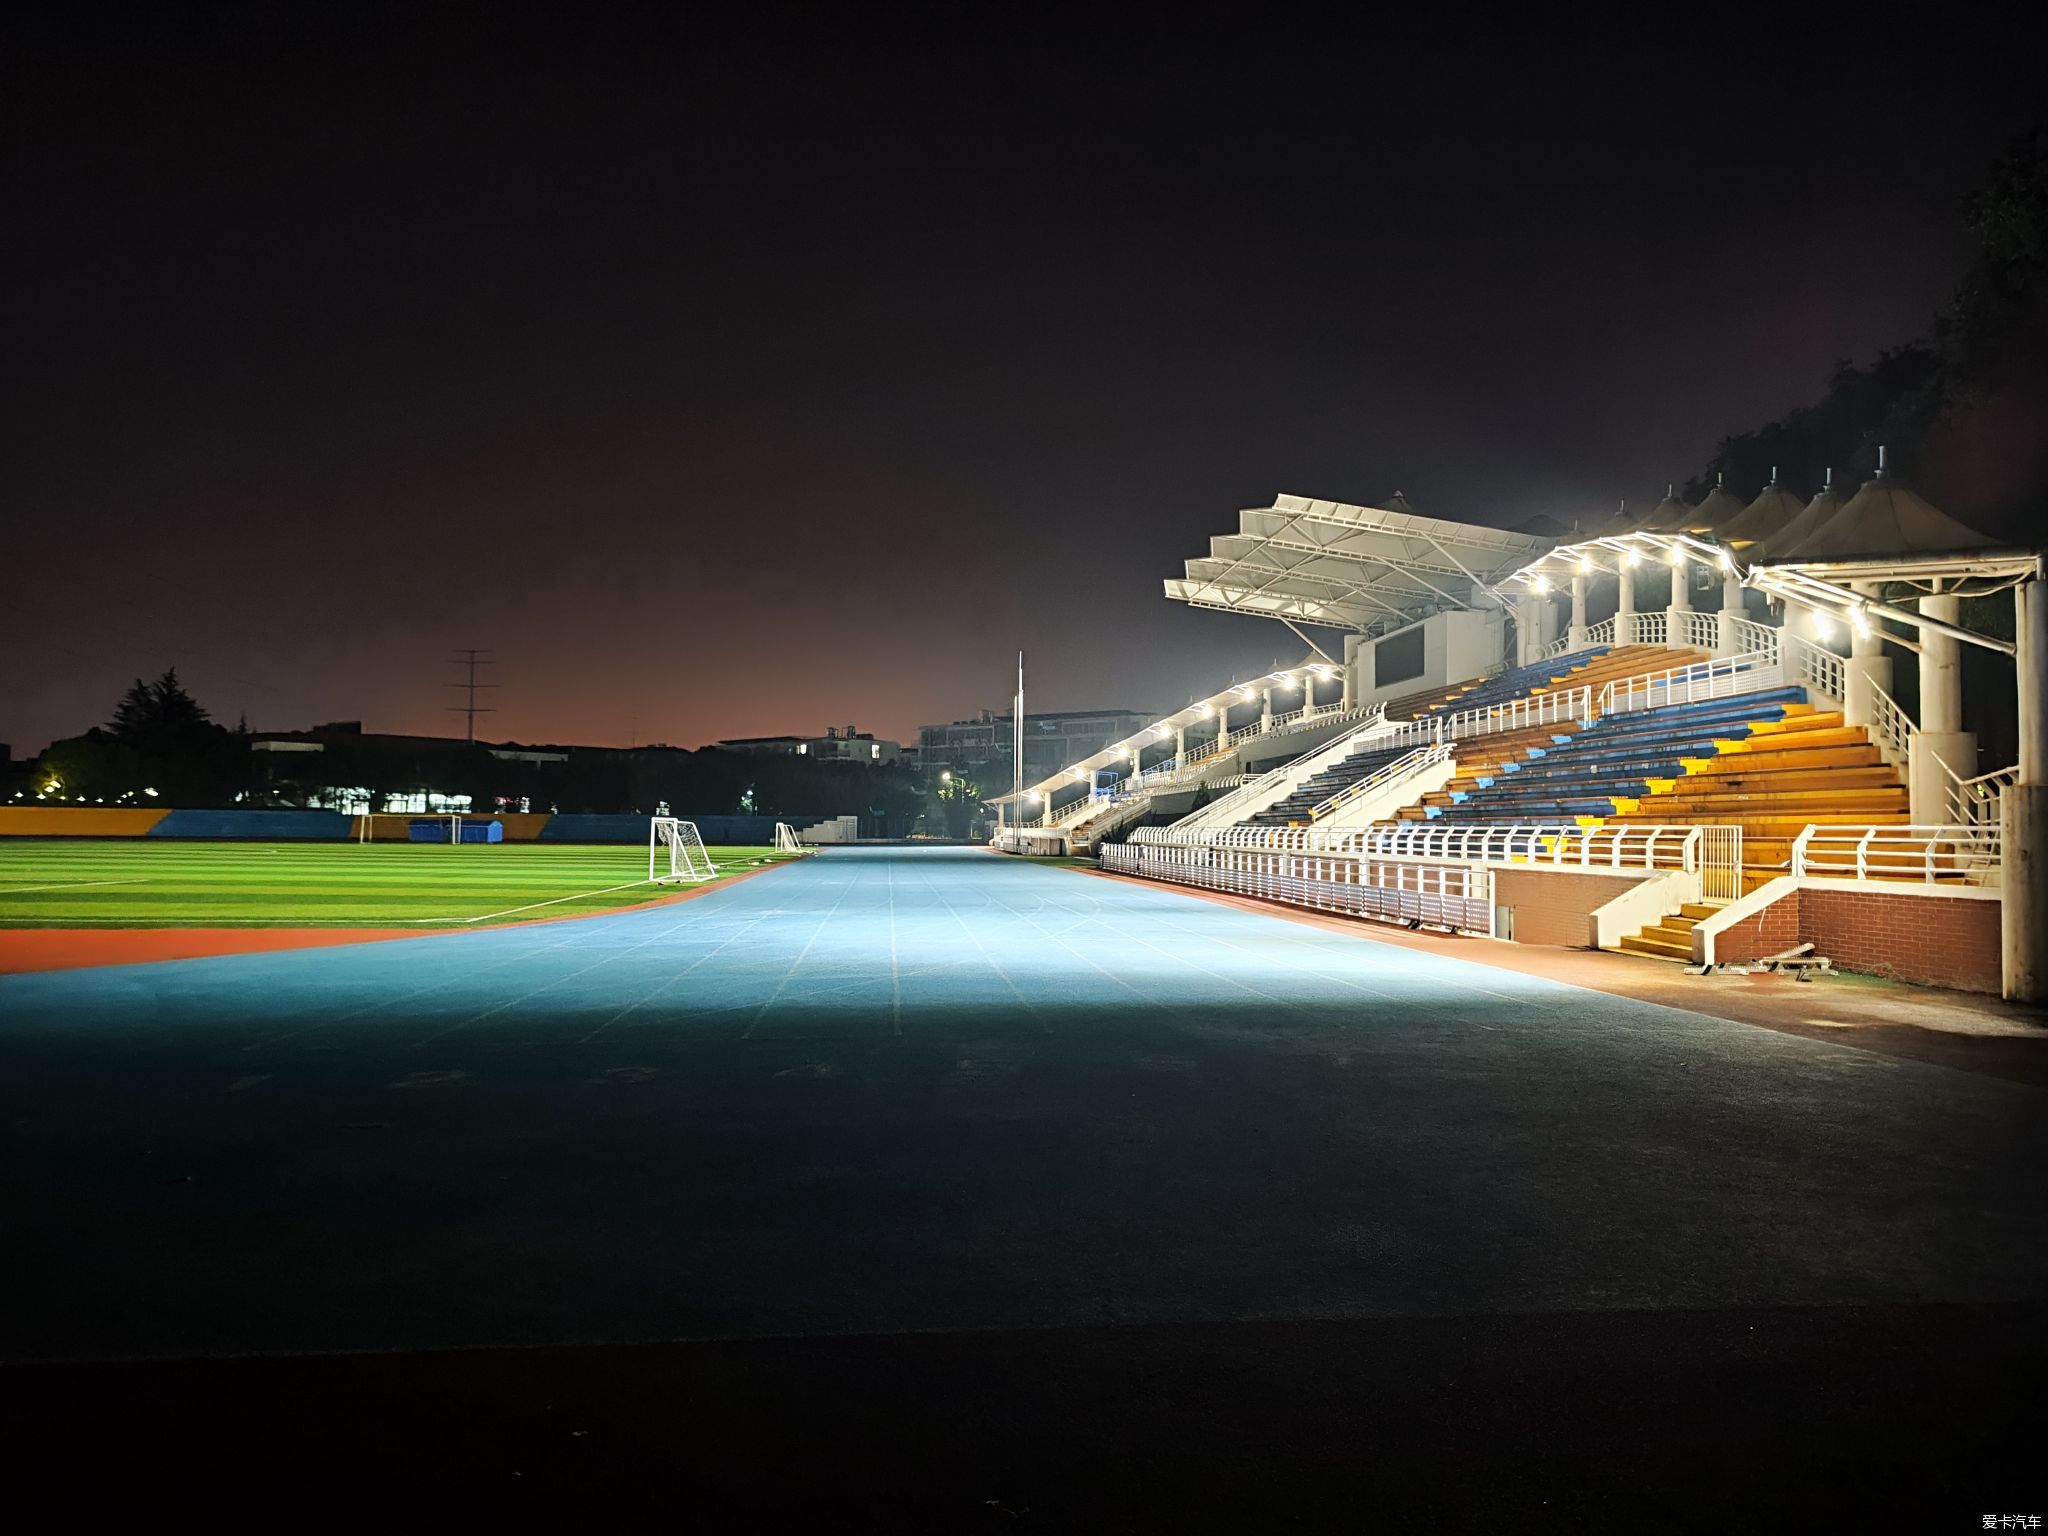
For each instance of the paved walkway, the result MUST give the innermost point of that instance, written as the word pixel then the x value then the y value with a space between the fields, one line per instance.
pixel 894 1090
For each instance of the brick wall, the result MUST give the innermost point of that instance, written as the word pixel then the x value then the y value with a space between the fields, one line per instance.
pixel 1770 932
pixel 1939 941
pixel 1556 906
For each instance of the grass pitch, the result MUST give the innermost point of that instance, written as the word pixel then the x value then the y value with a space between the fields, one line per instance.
pixel 164 884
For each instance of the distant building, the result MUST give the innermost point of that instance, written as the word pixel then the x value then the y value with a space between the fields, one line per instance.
pixel 1051 740
pixel 836 745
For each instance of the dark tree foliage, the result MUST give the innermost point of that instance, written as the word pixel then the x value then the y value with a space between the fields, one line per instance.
pixel 1962 394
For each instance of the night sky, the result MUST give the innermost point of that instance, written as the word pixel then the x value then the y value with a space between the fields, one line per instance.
pixel 749 370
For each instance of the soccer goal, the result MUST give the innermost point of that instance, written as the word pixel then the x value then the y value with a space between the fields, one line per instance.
pixel 786 839
pixel 402 827
pixel 675 851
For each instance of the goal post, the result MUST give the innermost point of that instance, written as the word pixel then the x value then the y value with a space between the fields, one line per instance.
pixel 676 852
pixel 449 826
pixel 786 839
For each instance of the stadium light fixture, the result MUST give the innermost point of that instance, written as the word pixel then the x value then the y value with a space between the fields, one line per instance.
pixel 150 792
pixel 1540 582
pixel 1585 565
pixel 1628 556
pixel 946 777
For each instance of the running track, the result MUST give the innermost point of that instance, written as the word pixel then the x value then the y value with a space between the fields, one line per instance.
pixel 891 1091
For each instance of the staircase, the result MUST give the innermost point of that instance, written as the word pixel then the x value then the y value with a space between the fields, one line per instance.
pixel 1293 810
pixel 1670 938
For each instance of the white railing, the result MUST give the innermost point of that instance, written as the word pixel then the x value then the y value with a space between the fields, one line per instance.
pixel 1601 633
pixel 1447 896
pixel 1753 638
pixel 1278 781
pixel 1403 767
pixel 1926 855
pixel 1891 728
pixel 1553 843
pixel 1650 628
pixel 1978 802
pixel 1568 704
pixel 1723 677
pixel 1720 863
pixel 1812 666
pixel 1603 847
pixel 1688 626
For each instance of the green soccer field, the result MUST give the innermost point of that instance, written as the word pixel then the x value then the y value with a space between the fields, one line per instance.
pixel 102 883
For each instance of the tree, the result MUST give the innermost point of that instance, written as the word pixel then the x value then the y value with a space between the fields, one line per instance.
pixel 959 802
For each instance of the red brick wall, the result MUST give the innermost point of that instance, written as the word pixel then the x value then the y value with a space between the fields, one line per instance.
pixel 1770 932
pixel 1555 906
pixel 1938 941
pixel 1941 941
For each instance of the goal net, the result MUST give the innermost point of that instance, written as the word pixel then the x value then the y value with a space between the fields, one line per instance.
pixel 401 827
pixel 675 852
pixel 785 839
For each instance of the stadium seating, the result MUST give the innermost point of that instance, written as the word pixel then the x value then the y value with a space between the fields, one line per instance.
pixel 1596 665
pixel 1313 791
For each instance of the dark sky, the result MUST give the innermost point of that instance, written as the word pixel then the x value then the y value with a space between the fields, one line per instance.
pixel 746 370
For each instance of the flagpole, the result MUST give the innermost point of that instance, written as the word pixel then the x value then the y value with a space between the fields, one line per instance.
pixel 1017 744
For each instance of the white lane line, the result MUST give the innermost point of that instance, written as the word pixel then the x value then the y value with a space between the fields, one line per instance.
pixel 666 983
pixel 993 964
pixel 782 985
pixel 895 969
pixel 532 905
pixel 71 885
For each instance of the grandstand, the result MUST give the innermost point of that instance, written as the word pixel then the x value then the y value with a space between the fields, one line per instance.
pixel 1669 781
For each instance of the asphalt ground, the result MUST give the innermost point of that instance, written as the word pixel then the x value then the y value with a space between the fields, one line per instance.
pixel 923 1187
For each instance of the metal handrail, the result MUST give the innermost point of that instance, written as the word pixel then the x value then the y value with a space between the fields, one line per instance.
pixel 1447 895
pixel 1813 666
pixel 1980 801
pixel 1968 855
pixel 1891 727
pixel 1717 678
pixel 1688 626
pixel 1405 766
pixel 1301 768
pixel 1550 708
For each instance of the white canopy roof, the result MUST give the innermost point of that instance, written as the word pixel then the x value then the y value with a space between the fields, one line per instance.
pixel 1368 569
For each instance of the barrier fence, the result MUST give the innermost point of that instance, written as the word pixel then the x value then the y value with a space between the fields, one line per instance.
pixel 1450 896
pixel 1923 855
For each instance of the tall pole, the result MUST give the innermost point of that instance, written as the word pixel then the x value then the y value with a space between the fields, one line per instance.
pixel 471 659
pixel 1017 742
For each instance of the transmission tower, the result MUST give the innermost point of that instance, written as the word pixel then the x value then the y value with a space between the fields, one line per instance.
pixel 469 660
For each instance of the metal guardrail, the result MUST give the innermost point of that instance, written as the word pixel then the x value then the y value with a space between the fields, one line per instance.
pixel 1622 847
pixel 1812 666
pixel 1515 714
pixel 1719 678
pixel 1969 855
pixel 1406 766
pixel 1446 896
pixel 1290 773
pixel 1891 728
pixel 1688 626
pixel 1978 802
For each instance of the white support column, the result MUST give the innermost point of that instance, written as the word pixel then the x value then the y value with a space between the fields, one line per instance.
pixel 1625 615
pixel 1354 653
pixel 1265 709
pixel 1575 632
pixel 1941 739
pixel 1180 745
pixel 1729 638
pixel 1525 629
pixel 1867 668
pixel 2024 904
pixel 1680 604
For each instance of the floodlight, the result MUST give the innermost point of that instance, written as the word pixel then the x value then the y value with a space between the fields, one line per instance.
pixel 1585 565
pixel 1628 556
pixel 150 792
pixel 1541 583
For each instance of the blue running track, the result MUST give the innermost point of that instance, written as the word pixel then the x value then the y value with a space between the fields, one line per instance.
pixel 935 1089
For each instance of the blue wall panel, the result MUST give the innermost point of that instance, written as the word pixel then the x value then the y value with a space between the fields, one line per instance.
pixel 757 831
pixel 262 826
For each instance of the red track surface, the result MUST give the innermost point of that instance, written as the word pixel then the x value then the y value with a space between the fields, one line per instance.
pixel 67 949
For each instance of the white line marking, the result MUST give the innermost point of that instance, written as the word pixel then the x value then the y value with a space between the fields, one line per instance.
pixel 531 905
pixel 71 885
